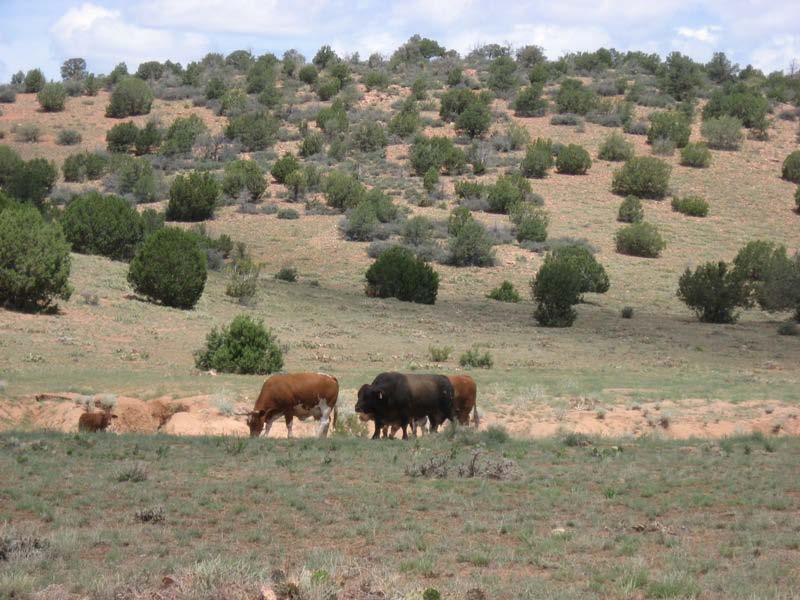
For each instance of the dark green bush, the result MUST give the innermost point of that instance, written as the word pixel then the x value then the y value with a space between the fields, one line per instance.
pixel 639 239
pixel 308 74
pixel 419 88
pixel 741 101
pixel 538 159
pixel 671 125
pixel 259 77
pixel 169 268
pixel 233 103
pixel 288 274
pixel 283 166
pixel 150 70
pixel 437 152
pixel 615 148
pixel 134 176
pixel 376 80
pixel 556 288
pixel 147 139
pixel 33 181
pixel 530 222
pixel 772 279
pixel 405 122
pixel 680 76
pixel 34 81
pixel 297 183
pixel 215 88
pixel 342 190
pixel 693 206
pixel 361 224
pixel 472 358
pixel 132 96
pixel 630 211
pixel 459 217
pixel 573 160
pixel 529 102
pixel 474 120
pixel 593 274
pixel 723 133
pixel 68 137
pixel 243 175
pixel 508 190
pixel 34 260
pixel 430 180
pixel 502 74
pixel 245 347
pixel 642 176
pixel 104 225
pixel 696 155
pixel 182 134
pixel 52 97
pixel 333 119
pixel 574 97
pixel 328 87
pixel 417 231
pixel 384 208
pixel 313 143
pixel 454 102
pixel 713 291
pixel 121 137
pixel 471 246
pixel 193 197
pixel 791 167
pixel 469 189
pixel 256 130
pixel 399 274
pixel 10 163
pixel 369 136
pixel 505 292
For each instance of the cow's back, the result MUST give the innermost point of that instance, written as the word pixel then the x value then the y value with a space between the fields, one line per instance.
pixel 431 394
pixel 465 392
pixel 287 390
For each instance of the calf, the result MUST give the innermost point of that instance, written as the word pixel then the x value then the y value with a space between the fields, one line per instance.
pixel 464 395
pixel 301 395
pixel 95 421
pixel 396 398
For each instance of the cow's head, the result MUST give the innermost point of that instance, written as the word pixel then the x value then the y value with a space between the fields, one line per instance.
pixel 255 421
pixel 369 398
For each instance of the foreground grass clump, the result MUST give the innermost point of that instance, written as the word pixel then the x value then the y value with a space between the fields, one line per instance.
pixel 245 347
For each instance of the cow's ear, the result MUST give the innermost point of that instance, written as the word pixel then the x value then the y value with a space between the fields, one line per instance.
pixel 380 395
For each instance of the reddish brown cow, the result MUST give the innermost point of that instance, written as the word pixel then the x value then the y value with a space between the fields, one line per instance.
pixel 464 394
pixel 95 421
pixel 292 395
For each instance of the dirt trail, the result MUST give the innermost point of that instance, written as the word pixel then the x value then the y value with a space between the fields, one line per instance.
pixel 202 415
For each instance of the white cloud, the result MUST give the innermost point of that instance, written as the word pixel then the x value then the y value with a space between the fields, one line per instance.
pixel 103 37
pixel 708 34
pixel 778 53
pixel 383 43
pixel 264 17
pixel 436 12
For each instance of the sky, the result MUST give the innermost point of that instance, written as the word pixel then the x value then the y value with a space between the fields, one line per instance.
pixel 43 33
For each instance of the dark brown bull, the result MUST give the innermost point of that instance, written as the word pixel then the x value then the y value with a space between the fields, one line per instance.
pixel 464 395
pixel 95 421
pixel 300 395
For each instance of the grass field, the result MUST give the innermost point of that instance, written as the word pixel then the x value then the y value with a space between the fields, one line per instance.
pixel 644 519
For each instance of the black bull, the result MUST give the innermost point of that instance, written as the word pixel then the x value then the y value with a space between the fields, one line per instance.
pixel 399 399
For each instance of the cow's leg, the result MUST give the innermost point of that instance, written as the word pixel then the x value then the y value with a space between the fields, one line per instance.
pixel 325 410
pixel 269 419
pixel 288 417
pixel 378 428
pixel 404 425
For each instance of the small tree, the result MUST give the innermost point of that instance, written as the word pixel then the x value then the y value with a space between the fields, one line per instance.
pixel 505 292
pixel 642 176
pixel 283 166
pixel 615 148
pixel 369 136
pixel 241 175
pixel 573 160
pixel 530 221
pixel 791 167
pixel 696 155
pixel 33 181
pixel 297 184
pixel 34 81
pixel 74 69
pixel 640 239
pixel 471 246
pixel 245 347
pixel 630 211
pixel 501 74
pixel 529 102
pixel 474 120
pixel 538 159
pixel 508 190
pixel 670 125
pixel 723 133
pixel 104 225
pixel 132 96
pixel 182 134
pixel 556 289
pixel 713 291
pixel 193 197
pixel 256 131
pixel 308 74
pixel 574 97
pixel 34 260
pixel 692 206
pixel 52 97
pixel 169 268
pixel 10 163
pixel 122 137
pixel 342 190
pixel 399 274
pixel 594 278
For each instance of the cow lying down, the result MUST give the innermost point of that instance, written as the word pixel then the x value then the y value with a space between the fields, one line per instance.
pixel 290 395
pixel 400 399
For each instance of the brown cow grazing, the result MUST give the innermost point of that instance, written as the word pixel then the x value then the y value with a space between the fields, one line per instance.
pixel 95 421
pixel 464 394
pixel 300 395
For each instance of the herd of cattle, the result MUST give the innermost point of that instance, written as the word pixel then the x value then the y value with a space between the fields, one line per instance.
pixel 394 401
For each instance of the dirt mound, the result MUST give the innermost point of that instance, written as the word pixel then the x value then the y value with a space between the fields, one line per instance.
pixel 188 423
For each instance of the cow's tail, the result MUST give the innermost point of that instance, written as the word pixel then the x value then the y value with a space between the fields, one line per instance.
pixel 476 418
pixel 334 414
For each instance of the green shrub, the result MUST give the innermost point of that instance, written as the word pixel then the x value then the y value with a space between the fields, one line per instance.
pixel 241 175
pixel 342 190
pixel 52 97
pixel 132 96
pixel 437 152
pixel 696 155
pixel 33 181
pixel 594 278
pixel 693 206
pixel 556 288
pixel 639 239
pixel 723 133
pixel 713 291
pixel 455 76
pixel 530 221
pixel 288 274
pixel 631 210
pixel 508 190
pixel 502 74
pixel 361 224
pixel 771 278
pixel 233 102
pixel 68 137
pixel 288 214
pixel 529 102
pixel 741 101
pixel 469 189
pixel 313 143
pixel 574 97
pixel 256 130
pixel 626 312
pixel 297 184
pixel 405 122
pixel 74 167
pixel 663 147
pixel 417 231
pixel 430 180
pixel 440 354
pixel 259 77
pixel 34 81
pixel 797 198
pixel 471 246
pixel 193 197
pixel 135 176
pixel 308 74
pixel 453 102
pixel 283 166
pixel 169 268
pixel 573 160
pixel 473 358
pixel 333 119
pixel 474 120
pixel 671 125
pixel 328 87
pixel 104 225
pixel 615 148
pixel 505 292
pixel 8 94
pixel 642 176
pixel 121 137
pixel 399 274
pixel 271 97
pixel 182 134
pixel 10 163
pixel 376 80
pixel 369 136
pixel 538 159
pixel 791 167
pixel 245 347
pixel 151 69
pixel 459 217
pixel 147 139
pixel 243 282
pixel 34 260
pixel 385 209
